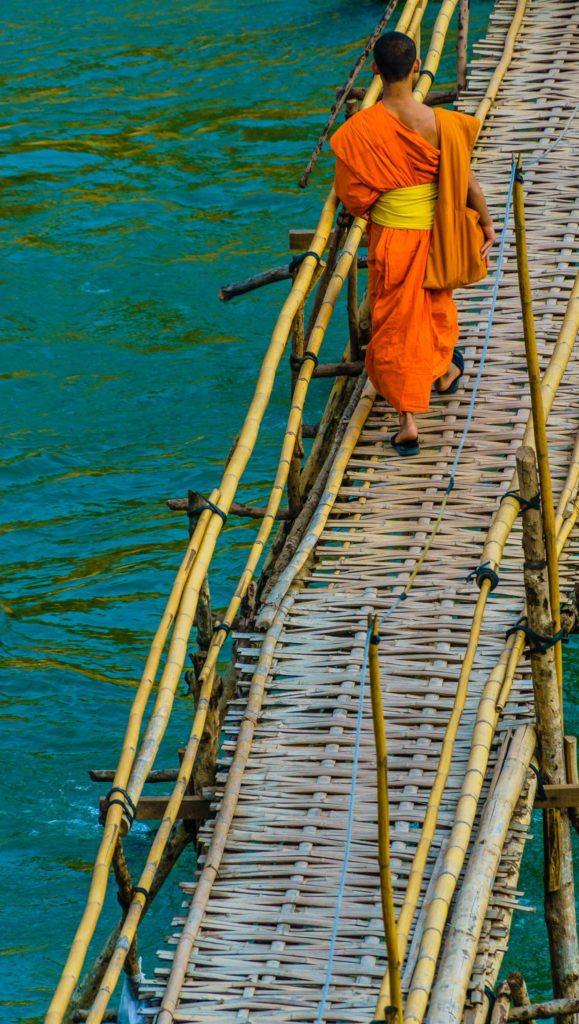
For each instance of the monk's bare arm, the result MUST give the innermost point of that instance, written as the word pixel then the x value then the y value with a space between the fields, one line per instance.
pixel 476 200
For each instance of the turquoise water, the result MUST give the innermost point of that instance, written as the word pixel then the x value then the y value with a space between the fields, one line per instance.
pixel 151 153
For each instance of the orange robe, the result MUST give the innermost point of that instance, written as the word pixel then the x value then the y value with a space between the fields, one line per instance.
pixel 414 330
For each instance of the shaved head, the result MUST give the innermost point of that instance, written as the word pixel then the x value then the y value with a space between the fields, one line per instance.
pixel 395 55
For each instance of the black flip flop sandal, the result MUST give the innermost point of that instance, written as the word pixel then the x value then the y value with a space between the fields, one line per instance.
pixel 405 448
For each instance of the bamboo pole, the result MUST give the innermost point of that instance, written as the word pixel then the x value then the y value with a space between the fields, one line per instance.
pixel 509 508
pixel 539 420
pixel 437 40
pixel 501 68
pixel 386 889
pixel 559 887
pixel 470 907
pixel 294 474
pixel 181 837
pixel 114 822
pixel 462 44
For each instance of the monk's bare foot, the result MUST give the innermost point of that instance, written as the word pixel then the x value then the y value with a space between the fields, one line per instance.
pixel 408 429
pixel 443 383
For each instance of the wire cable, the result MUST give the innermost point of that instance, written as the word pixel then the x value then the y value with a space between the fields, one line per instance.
pixel 349 827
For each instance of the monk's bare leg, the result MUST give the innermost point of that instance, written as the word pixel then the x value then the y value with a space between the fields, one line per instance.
pixel 408 430
pixel 444 382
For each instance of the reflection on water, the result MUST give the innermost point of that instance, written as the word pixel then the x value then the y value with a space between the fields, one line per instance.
pixel 150 153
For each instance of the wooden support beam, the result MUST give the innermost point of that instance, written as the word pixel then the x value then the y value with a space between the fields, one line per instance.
pixel 541 1011
pixel 353 369
pixel 244 511
pixel 502 1005
pixel 564 794
pixel 152 808
pixel 159 775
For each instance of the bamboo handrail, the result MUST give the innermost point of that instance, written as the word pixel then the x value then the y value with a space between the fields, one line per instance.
pixel 492 700
pixel 386 890
pixel 114 817
pixel 539 422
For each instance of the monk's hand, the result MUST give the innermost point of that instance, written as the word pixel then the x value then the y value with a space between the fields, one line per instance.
pixel 490 239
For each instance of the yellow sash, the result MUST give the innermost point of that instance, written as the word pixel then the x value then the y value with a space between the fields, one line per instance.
pixel 406 207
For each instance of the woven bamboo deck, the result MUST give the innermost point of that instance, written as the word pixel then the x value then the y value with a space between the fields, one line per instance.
pixel 262 950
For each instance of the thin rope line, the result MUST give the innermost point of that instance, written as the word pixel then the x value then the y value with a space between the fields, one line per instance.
pixel 538 159
pixel 342 884
pixel 500 257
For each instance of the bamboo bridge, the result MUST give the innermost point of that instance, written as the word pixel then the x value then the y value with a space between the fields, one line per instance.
pixel 284 921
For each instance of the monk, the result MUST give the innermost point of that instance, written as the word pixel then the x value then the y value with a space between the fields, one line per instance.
pixel 383 153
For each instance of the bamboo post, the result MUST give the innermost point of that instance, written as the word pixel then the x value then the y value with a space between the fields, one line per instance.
pixel 386 888
pixel 559 888
pixel 124 896
pixel 518 987
pixel 462 44
pixel 500 1013
pixel 295 470
pixel 539 419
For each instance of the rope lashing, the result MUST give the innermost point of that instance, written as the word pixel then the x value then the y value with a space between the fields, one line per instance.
pixel 490 994
pixel 224 626
pixel 540 781
pixel 484 572
pixel 140 888
pixel 297 261
pixel 196 512
pixel 342 883
pixel 129 807
pixel 296 362
pixel 534 502
pixel 538 644
pixel 425 71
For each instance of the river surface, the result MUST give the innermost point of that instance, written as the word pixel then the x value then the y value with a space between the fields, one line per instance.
pixel 151 150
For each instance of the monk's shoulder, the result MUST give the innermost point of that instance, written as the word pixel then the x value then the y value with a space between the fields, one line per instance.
pixel 357 129
pixel 464 125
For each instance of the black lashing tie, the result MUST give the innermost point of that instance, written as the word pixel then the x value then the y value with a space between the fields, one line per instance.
pixel 129 808
pixel 538 644
pixel 207 504
pixel 484 572
pixel 535 501
pixel 297 261
pixel 296 362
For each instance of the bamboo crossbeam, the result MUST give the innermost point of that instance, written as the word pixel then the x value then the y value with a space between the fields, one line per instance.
pixel 542 1011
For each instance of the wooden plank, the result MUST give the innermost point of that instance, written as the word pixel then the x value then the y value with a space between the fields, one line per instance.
pixel 152 808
